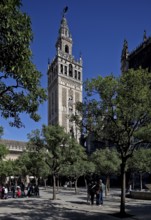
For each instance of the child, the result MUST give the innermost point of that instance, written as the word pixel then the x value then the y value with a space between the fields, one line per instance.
pixel 18 193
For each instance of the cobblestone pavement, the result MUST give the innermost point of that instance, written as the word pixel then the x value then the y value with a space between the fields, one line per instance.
pixel 69 205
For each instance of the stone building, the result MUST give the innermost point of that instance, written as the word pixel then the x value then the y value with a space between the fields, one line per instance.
pixel 139 57
pixel 15 148
pixel 64 82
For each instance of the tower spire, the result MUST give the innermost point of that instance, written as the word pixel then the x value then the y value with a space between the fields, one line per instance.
pixel 144 36
pixel 65 11
pixel 64 41
pixel 125 50
pixel 124 57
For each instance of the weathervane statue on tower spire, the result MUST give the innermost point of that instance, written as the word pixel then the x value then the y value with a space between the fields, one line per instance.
pixel 65 10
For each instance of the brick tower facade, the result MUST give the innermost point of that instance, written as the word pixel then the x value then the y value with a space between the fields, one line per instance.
pixel 64 82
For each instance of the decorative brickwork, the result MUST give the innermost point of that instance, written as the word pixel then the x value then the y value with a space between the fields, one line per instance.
pixel 64 121
pixel 70 92
pixel 64 81
pixel 64 97
pixel 77 97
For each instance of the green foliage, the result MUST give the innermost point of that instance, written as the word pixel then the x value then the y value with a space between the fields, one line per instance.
pixel 36 142
pixel 37 166
pixel 106 161
pixel 57 147
pixel 53 143
pixel 22 164
pixel 3 151
pixel 62 153
pixel 32 162
pixel 141 160
pixel 118 110
pixel 78 163
pixel 19 80
pixel 77 169
pixel 7 168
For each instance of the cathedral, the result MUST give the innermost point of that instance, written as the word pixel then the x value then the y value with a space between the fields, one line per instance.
pixel 64 82
pixel 139 57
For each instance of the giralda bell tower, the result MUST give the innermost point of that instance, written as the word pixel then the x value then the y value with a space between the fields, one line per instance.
pixel 64 81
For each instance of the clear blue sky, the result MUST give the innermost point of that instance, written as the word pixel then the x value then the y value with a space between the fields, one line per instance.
pixel 98 29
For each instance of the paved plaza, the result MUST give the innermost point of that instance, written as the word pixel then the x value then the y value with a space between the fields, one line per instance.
pixel 69 205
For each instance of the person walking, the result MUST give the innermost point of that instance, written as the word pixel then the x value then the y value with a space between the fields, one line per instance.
pixel 99 192
pixel 13 189
pixel 36 190
pixel 92 192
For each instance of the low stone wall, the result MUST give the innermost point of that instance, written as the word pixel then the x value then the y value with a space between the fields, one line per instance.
pixel 140 195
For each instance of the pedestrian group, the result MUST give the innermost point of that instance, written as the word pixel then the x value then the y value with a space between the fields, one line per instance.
pixel 95 189
pixel 18 191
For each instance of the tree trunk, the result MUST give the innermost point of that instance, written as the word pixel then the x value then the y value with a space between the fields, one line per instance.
pixel 122 206
pixel 86 184
pixel 141 182
pixel 75 184
pixel 54 187
pixel 36 180
pixel 58 184
pixel 133 181
pixel 107 186
pixel 45 180
pixel 106 190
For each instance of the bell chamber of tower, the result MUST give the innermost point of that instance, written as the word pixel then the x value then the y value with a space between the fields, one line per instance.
pixel 64 82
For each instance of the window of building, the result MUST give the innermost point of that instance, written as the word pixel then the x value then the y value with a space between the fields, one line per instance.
pixel 66 49
pixel 70 109
pixel 75 74
pixel 65 70
pixel 70 98
pixel 70 70
pixel 61 68
pixel 70 102
pixel 79 76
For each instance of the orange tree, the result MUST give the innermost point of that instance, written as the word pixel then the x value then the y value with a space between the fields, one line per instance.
pixel 20 87
pixel 118 110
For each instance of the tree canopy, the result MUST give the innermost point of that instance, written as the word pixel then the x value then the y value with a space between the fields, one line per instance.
pixel 118 110
pixel 140 161
pixel 106 161
pixel 3 151
pixel 20 87
pixel 55 141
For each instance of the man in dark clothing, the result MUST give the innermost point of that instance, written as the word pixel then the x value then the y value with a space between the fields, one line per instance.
pixel 92 190
pixel 13 190
pixel 36 190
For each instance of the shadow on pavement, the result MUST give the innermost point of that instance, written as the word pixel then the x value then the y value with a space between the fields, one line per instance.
pixel 42 210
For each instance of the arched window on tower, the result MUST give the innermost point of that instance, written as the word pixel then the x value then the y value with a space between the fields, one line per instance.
pixel 65 70
pixel 70 70
pixel 70 101
pixel 75 74
pixel 66 33
pixel 61 68
pixel 66 49
pixel 79 76
pixel 70 110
